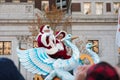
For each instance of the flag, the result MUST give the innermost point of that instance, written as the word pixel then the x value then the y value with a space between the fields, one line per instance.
pixel 118 31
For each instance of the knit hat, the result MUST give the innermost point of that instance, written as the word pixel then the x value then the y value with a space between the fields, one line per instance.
pixel 102 71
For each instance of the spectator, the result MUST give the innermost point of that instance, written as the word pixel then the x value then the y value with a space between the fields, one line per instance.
pixel 100 71
pixel 8 70
pixel 81 71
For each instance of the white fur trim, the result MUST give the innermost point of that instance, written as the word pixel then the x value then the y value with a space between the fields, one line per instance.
pixel 38 36
pixel 52 37
pixel 52 51
pixel 45 28
pixel 61 32
pixel 43 39
pixel 60 46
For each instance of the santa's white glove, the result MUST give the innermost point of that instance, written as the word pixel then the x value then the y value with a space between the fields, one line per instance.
pixel 52 37
pixel 60 46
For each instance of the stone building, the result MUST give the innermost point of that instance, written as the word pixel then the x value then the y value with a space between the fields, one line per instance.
pixel 97 20
pixel 93 20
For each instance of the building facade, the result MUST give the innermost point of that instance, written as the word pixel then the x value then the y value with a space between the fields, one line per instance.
pixel 92 20
pixel 97 20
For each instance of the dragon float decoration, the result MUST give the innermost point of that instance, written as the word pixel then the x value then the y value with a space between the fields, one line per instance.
pixel 37 61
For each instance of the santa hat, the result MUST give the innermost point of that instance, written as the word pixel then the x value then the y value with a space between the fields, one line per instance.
pixel 42 28
pixel 102 71
pixel 61 32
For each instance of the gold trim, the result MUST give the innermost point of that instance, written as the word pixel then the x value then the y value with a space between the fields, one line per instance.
pixel 83 56
pixel 38 77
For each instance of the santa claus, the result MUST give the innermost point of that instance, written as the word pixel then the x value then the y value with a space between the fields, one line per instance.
pixel 55 48
pixel 47 39
pixel 62 51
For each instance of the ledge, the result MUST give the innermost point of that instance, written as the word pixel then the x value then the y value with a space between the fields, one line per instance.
pixel 94 18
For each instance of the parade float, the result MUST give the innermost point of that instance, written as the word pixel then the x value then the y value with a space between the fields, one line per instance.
pixel 49 59
pixel 38 60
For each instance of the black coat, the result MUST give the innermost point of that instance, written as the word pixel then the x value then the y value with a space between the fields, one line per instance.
pixel 8 70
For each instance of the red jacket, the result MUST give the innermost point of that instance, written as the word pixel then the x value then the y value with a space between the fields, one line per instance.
pixel 40 44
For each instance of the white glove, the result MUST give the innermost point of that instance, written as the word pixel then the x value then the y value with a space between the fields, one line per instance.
pixel 52 37
pixel 60 46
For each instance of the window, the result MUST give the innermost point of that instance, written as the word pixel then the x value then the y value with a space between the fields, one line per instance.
pixel 108 7
pixel 8 0
pixel 5 47
pixel 28 8
pixel 99 8
pixel 16 1
pixel 23 0
pixel 116 7
pixel 58 1
pixel 45 5
pixel 87 8
pixel 64 4
pixel 37 4
pixel 61 4
pixel 95 48
pixel 76 7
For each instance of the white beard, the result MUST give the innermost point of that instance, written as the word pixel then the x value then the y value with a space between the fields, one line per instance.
pixel 52 40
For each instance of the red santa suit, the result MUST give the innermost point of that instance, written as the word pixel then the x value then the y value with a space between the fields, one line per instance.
pixel 46 39
pixel 62 52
